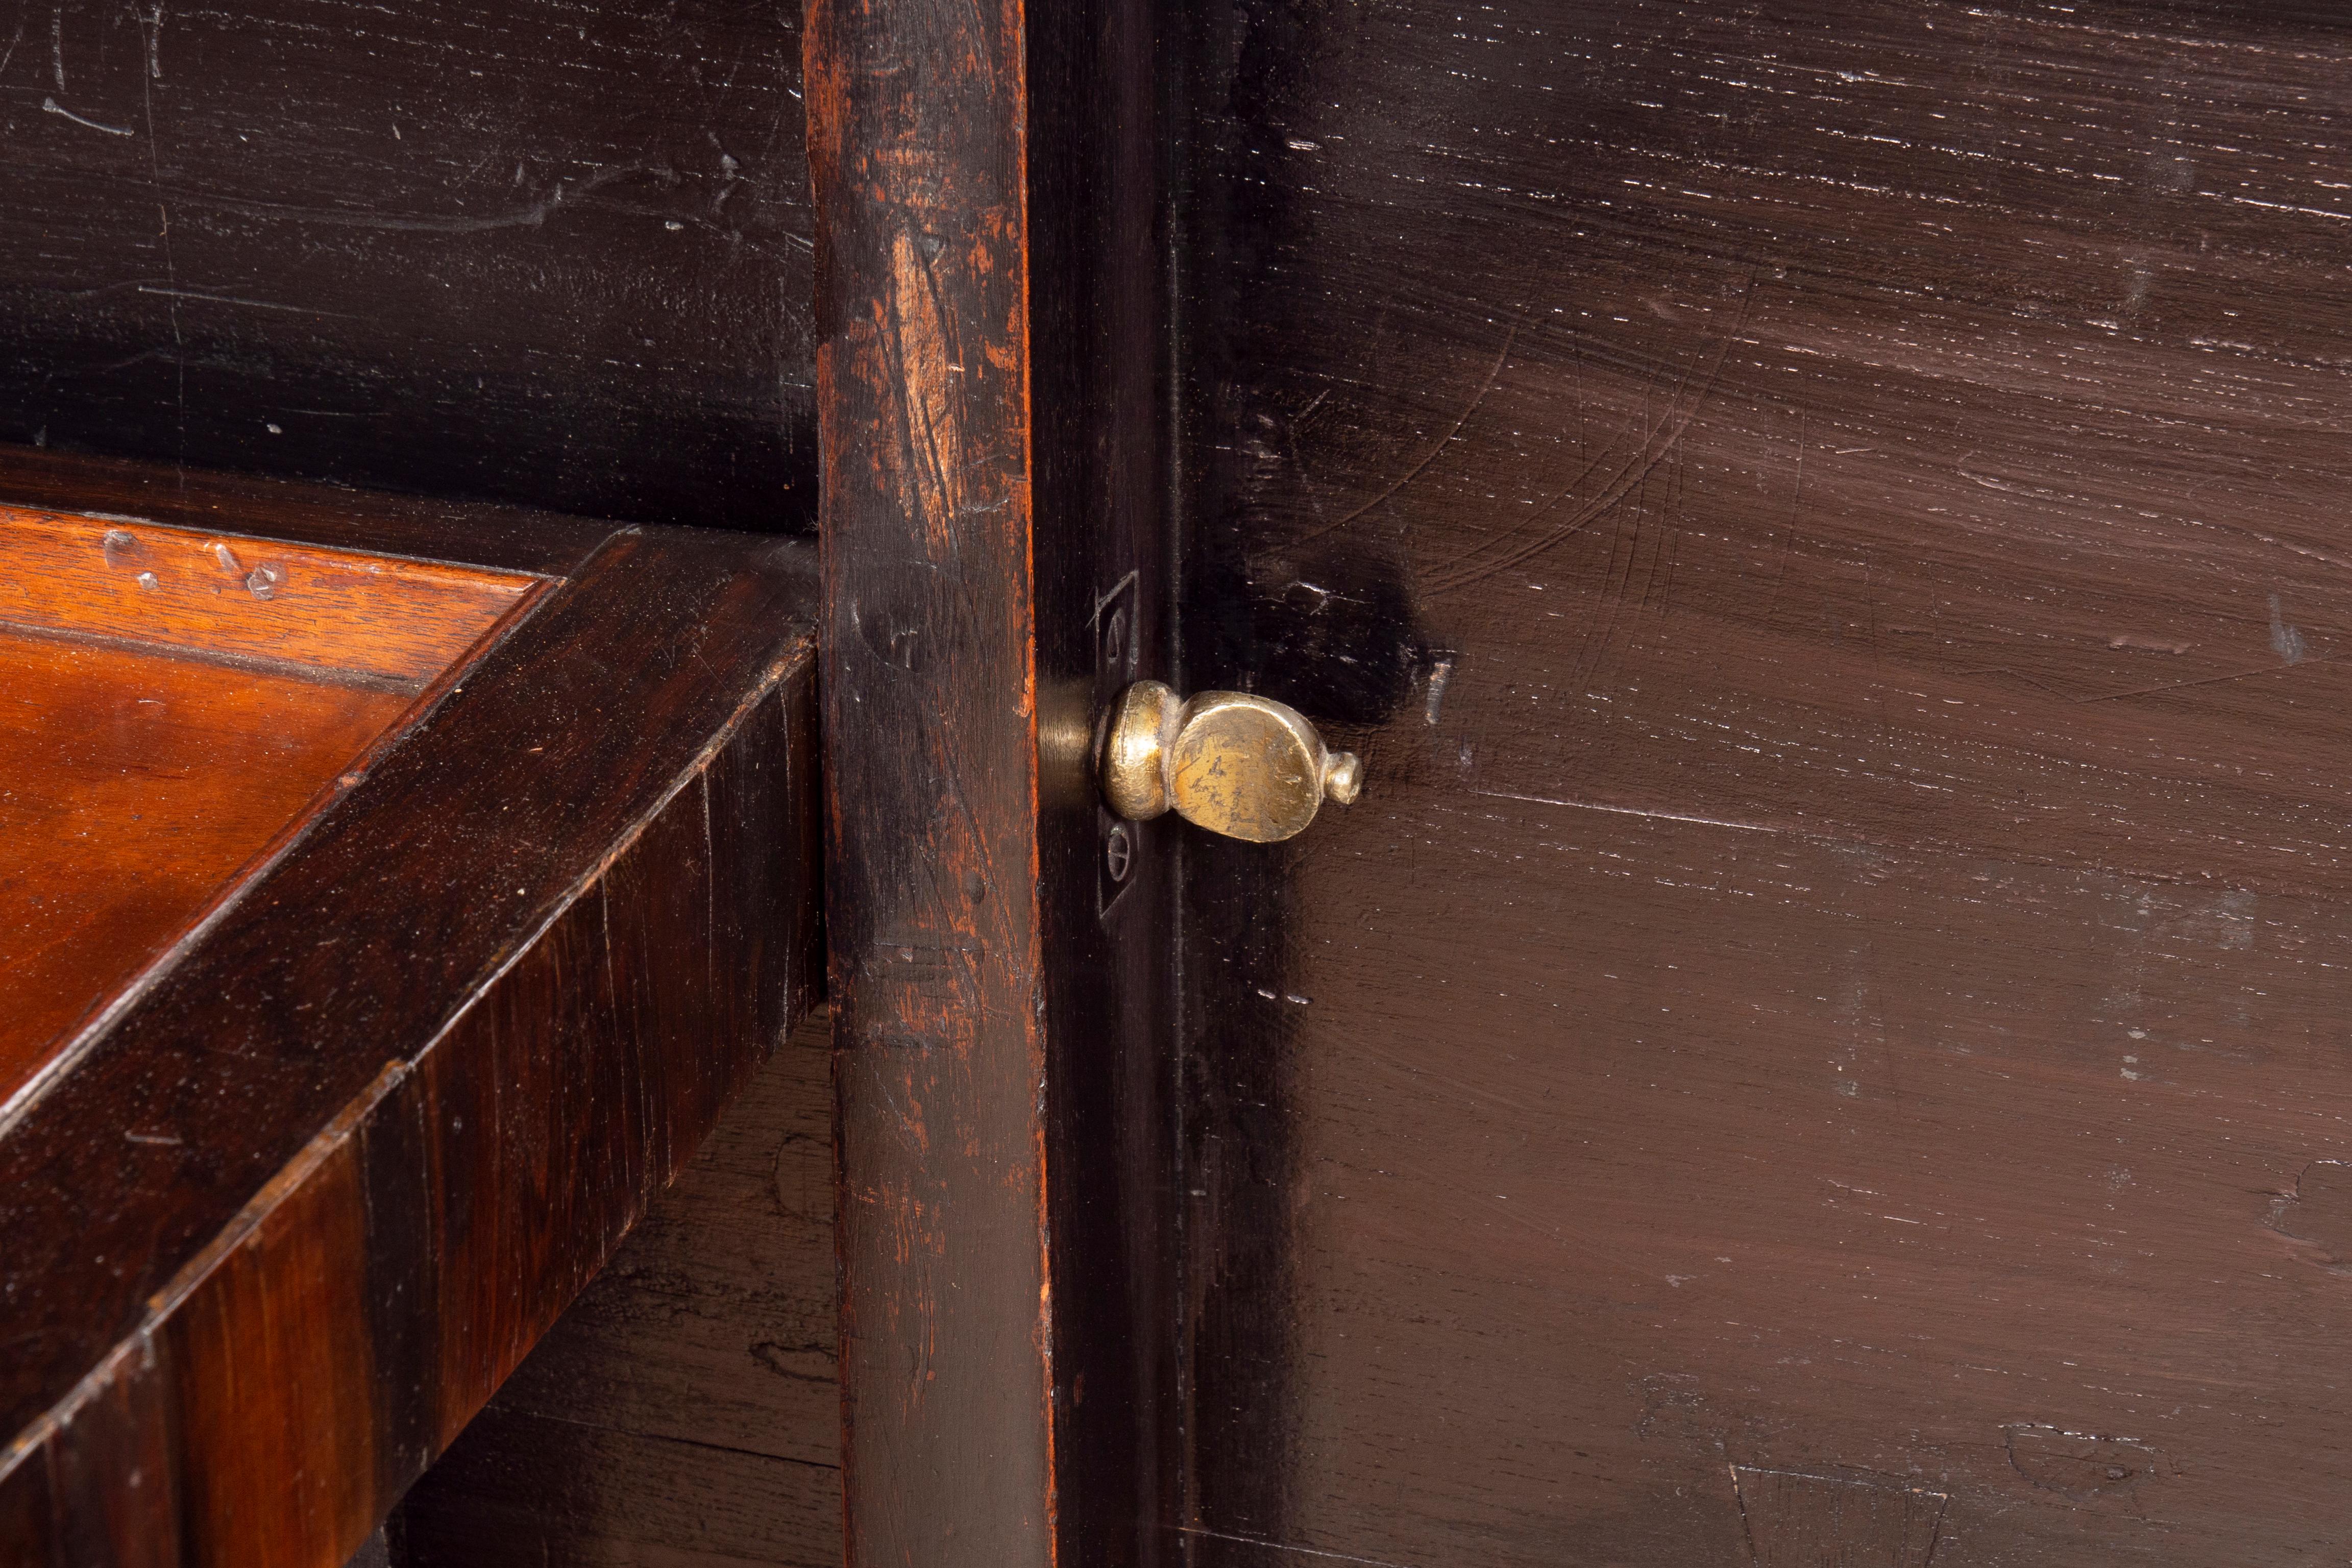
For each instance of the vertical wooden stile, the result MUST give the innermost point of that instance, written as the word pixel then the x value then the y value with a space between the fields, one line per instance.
pixel 992 388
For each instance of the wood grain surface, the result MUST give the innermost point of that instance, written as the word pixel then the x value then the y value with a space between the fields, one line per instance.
pixel 917 130
pixel 1823 1040
pixel 303 1205
pixel 533 250
pixel 685 1409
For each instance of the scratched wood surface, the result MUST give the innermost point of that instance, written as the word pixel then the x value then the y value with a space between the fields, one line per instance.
pixel 554 252
pixel 1824 1042
pixel 932 887
pixel 299 1207
pixel 991 383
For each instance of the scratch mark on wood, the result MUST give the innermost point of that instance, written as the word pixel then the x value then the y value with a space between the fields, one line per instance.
pixel 1493 375
pixel 248 304
pixel 1278 1546
pixel 2203 680
pixel 2086 1466
pixel 1627 811
pixel 1466 571
pixel 527 217
pixel 51 105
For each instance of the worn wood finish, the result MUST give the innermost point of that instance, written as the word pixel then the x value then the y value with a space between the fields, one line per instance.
pixel 684 1408
pixel 1823 1042
pixel 531 250
pixel 992 391
pixel 303 1204
pixel 916 135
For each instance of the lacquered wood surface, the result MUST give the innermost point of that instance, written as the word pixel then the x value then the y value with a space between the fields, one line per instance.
pixel 1823 1042
pixel 302 1205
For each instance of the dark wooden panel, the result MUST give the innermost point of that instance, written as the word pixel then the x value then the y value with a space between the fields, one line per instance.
pixel 1818 1045
pixel 692 1380
pixel 535 250
pixel 1099 144
pixel 512 973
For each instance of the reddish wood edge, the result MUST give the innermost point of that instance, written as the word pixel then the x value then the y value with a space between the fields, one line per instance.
pixel 263 1377
pixel 16 1095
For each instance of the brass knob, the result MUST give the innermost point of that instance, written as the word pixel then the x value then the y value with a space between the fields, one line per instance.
pixel 1225 761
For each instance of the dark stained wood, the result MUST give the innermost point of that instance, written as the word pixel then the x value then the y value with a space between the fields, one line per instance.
pixel 532 251
pixel 684 1408
pixel 931 779
pixel 1821 1043
pixel 996 545
pixel 1098 146
pixel 299 1207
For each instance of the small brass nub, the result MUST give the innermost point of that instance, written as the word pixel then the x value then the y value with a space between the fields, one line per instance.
pixel 1235 764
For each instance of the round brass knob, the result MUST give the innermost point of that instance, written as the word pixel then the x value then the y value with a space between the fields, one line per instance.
pixel 1235 764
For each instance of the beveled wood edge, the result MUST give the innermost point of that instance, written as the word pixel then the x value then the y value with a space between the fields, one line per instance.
pixel 704 572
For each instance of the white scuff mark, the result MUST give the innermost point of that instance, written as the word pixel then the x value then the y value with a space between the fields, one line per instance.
pixel 1440 673
pixel 2286 640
